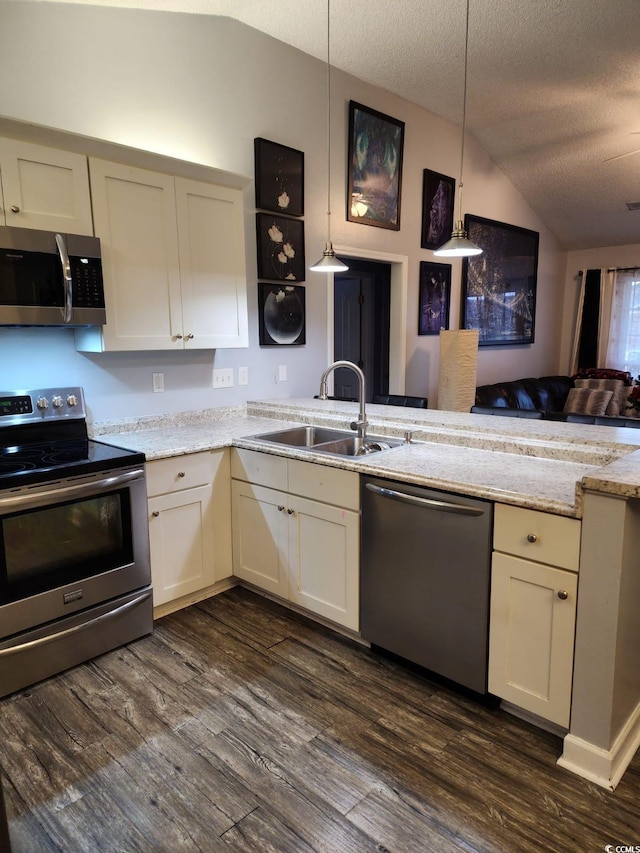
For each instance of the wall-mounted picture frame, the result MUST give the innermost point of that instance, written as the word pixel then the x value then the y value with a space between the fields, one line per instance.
pixel 280 244
pixel 374 167
pixel 279 177
pixel 499 286
pixel 434 298
pixel 281 314
pixel 438 196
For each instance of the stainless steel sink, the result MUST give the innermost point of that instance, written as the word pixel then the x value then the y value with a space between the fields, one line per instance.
pixel 334 442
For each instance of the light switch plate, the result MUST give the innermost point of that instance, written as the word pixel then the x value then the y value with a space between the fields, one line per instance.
pixel 243 376
pixel 223 377
pixel 282 373
pixel 158 382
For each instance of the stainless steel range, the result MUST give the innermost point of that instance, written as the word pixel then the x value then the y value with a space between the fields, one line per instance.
pixel 75 578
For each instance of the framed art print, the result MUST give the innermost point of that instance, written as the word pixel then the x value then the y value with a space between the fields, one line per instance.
pixel 281 314
pixel 280 243
pixel 279 178
pixel 374 167
pixel 438 192
pixel 434 298
pixel 499 286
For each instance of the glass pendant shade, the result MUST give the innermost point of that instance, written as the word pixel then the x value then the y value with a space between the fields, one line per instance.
pixel 329 262
pixel 459 245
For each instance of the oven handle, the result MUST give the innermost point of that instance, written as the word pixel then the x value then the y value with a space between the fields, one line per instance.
pixel 104 617
pixel 78 490
pixel 68 281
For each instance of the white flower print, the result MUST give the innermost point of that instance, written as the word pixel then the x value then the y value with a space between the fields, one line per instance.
pixel 283 199
pixel 276 234
pixel 289 251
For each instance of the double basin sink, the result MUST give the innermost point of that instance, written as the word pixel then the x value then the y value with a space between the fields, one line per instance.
pixel 334 442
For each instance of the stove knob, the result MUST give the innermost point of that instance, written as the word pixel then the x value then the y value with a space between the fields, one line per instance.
pixel 72 400
pixel 42 403
pixel 57 402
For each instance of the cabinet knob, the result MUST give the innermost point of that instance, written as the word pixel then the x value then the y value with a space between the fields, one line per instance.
pixel 532 537
pixel 155 513
pixel 188 337
pixel 15 208
pixel 290 511
pixel 178 337
pixel 280 507
pixel 180 474
pixel 563 594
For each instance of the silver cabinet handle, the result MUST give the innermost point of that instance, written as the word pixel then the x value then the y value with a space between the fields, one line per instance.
pixel 532 537
pixel 429 503
pixel 181 474
pixel 110 614
pixel 15 208
pixel 188 337
pixel 563 594
pixel 280 508
pixel 291 512
pixel 155 513
pixel 66 271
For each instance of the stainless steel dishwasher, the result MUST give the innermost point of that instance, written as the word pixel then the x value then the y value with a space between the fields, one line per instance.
pixel 425 577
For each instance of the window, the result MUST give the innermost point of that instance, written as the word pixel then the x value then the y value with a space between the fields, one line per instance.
pixel 624 332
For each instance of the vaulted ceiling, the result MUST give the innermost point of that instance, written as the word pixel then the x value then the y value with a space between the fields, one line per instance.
pixel 553 91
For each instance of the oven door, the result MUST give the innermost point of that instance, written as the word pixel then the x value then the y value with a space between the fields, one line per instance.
pixel 71 545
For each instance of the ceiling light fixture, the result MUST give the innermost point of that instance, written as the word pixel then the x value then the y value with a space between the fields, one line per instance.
pixel 459 245
pixel 329 262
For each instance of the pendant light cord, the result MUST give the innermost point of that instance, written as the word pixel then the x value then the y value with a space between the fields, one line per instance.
pixel 464 109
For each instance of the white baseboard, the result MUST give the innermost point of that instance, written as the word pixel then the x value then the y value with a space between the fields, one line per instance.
pixel 604 767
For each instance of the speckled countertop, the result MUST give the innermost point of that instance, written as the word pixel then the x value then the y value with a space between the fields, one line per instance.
pixel 543 465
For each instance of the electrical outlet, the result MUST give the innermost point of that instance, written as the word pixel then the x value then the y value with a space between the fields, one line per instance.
pixel 158 382
pixel 282 373
pixel 243 376
pixel 223 377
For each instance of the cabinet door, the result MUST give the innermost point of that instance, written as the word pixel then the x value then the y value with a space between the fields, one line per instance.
pixel 531 639
pixel 260 537
pixel 212 265
pixel 182 543
pixel 45 188
pixel 324 560
pixel 134 212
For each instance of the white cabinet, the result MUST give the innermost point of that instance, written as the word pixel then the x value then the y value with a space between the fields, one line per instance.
pixel 296 530
pixel 533 611
pixel 173 259
pixel 44 188
pixel 189 525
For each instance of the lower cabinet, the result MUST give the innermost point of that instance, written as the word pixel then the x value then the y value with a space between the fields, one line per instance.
pixel 296 532
pixel 533 612
pixel 189 524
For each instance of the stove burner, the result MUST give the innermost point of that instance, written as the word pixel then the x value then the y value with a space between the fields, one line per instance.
pixel 9 466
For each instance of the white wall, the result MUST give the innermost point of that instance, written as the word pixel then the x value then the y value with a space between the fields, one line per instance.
pixel 589 259
pixel 201 88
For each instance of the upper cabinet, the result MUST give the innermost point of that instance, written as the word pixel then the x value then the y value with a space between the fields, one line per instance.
pixel 44 188
pixel 173 262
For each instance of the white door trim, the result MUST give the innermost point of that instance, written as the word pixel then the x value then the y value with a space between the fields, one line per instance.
pixel 397 323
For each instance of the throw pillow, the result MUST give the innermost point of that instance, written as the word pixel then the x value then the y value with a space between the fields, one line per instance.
pixel 587 401
pixel 619 393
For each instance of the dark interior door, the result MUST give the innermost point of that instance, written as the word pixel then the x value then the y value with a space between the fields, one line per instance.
pixel 362 299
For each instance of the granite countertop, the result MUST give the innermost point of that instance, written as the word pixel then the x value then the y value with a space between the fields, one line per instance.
pixel 530 463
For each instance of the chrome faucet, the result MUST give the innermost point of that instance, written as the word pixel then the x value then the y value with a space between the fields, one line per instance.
pixel 361 424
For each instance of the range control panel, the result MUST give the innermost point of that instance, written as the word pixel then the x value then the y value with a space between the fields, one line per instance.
pixel 25 407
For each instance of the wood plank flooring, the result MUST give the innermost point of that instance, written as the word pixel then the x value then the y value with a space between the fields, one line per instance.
pixel 241 726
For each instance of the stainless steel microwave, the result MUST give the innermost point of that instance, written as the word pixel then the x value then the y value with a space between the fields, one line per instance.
pixel 50 279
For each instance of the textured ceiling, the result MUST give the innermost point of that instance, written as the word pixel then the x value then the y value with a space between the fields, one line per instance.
pixel 554 86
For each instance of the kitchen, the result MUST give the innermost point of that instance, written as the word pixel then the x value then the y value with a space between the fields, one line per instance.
pixel 118 385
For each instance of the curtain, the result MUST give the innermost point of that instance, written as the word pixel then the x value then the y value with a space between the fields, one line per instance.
pixel 591 336
pixel 623 351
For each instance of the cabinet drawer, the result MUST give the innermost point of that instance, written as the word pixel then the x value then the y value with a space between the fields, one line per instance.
pixel 263 469
pixel 329 485
pixel 179 472
pixel 538 536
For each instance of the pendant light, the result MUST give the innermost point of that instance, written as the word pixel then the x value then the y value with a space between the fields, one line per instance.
pixel 459 245
pixel 329 262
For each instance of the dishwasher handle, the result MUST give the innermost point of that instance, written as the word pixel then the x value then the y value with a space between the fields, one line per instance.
pixel 428 503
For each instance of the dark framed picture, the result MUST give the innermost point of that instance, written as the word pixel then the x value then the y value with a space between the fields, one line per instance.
pixel 281 314
pixel 374 167
pixel 499 286
pixel 438 193
pixel 434 298
pixel 279 177
pixel 280 247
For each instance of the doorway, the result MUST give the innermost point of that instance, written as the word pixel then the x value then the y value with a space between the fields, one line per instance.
pixel 361 318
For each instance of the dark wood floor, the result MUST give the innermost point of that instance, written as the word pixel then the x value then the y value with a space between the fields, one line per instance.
pixel 241 726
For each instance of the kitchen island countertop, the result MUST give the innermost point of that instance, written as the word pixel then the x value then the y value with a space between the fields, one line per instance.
pixel 535 464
